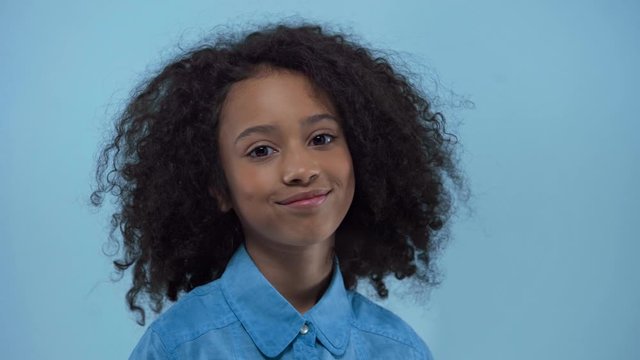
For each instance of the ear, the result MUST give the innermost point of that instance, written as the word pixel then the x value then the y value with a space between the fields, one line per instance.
pixel 223 202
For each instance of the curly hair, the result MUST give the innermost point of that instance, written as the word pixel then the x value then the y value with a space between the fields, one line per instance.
pixel 163 158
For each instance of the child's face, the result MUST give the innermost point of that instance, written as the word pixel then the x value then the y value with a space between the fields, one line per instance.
pixel 274 145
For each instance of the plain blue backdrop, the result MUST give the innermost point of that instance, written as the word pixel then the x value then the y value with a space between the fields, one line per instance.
pixel 544 265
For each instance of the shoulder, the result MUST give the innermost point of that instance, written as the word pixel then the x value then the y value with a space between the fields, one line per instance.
pixel 200 311
pixel 380 323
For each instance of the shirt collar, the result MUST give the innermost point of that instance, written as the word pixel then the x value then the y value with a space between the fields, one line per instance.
pixel 273 323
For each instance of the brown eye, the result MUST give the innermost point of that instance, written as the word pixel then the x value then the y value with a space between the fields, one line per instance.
pixel 322 139
pixel 261 151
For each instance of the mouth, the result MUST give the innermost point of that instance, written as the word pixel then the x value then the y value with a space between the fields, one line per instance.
pixel 306 199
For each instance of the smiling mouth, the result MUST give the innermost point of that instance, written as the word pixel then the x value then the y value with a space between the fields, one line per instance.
pixel 314 201
pixel 301 196
pixel 308 202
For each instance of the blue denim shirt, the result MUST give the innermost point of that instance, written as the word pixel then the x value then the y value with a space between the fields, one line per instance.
pixel 241 316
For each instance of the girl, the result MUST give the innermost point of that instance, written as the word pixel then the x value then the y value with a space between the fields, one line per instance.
pixel 259 178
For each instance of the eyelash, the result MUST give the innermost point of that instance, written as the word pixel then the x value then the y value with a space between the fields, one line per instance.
pixel 251 153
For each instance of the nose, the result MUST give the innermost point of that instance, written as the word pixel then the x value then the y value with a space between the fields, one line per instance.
pixel 299 168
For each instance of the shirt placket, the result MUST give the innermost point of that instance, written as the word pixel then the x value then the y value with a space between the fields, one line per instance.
pixel 304 346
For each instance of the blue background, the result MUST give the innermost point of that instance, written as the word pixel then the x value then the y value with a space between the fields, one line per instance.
pixel 544 262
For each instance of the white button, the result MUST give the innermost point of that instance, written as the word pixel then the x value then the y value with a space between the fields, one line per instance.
pixel 304 329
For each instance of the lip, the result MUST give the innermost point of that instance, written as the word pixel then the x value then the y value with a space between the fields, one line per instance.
pixel 306 198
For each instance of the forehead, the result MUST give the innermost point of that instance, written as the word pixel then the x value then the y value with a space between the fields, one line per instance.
pixel 272 96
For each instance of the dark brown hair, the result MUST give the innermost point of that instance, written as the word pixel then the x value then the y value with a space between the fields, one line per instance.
pixel 163 157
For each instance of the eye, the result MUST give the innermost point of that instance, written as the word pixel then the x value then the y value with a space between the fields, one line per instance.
pixel 261 151
pixel 322 139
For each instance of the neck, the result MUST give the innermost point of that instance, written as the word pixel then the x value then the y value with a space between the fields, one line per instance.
pixel 300 274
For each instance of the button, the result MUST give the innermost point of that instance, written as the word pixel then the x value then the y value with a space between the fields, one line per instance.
pixel 304 329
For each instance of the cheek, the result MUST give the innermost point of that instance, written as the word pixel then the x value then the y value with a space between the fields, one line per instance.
pixel 248 184
pixel 341 167
pixel 345 167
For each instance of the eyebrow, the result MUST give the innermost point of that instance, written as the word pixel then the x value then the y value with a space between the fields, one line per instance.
pixel 267 129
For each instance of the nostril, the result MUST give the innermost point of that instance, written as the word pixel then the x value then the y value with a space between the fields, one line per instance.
pixel 301 176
